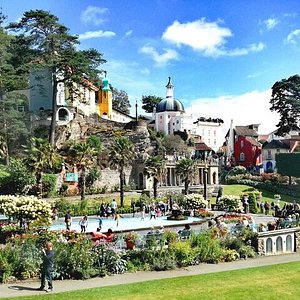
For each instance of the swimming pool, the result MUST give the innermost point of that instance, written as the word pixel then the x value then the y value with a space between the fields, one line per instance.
pixel 125 224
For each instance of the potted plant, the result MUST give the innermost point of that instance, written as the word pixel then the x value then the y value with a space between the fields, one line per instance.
pixel 130 239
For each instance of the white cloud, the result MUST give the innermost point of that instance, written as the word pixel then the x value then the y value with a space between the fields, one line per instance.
pixel 293 38
pixel 270 23
pixel 129 32
pixel 249 108
pixel 208 38
pixel 160 59
pixel 93 15
pixel 145 71
pixel 96 34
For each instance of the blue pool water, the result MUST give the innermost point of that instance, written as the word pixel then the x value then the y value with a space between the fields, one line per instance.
pixel 125 224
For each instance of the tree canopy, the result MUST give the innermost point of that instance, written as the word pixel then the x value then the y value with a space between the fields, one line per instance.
pixel 51 47
pixel 150 102
pixel 285 100
pixel 120 101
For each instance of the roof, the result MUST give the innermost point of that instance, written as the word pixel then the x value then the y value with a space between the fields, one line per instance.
pixel 253 141
pixel 277 144
pixel 201 146
pixel 245 131
pixel 169 104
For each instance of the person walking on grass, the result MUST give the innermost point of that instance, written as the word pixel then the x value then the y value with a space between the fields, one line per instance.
pixel 47 266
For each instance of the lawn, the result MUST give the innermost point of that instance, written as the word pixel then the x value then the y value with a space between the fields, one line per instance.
pixel 237 189
pixel 268 283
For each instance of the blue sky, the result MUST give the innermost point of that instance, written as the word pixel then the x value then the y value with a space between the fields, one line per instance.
pixel 223 56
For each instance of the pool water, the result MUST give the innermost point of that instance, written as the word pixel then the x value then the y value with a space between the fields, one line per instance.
pixel 125 223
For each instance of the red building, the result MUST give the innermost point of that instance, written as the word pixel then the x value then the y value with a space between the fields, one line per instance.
pixel 247 151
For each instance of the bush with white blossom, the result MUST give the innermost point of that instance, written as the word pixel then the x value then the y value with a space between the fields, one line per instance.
pixel 26 207
pixel 231 203
pixel 195 201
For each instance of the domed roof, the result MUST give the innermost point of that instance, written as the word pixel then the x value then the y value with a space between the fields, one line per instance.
pixel 169 104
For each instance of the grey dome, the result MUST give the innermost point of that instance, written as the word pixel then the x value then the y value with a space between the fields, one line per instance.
pixel 169 104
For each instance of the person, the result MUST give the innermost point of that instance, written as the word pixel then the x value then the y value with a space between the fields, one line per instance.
pixel 117 218
pixel 220 194
pixel 83 224
pixel 102 210
pixel 152 213
pixel 143 212
pixel 113 208
pixel 109 236
pixel 133 208
pixel 68 220
pixel 100 223
pixel 54 213
pixel 47 266
pixel 267 208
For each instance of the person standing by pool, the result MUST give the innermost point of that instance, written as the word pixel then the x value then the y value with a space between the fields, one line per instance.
pixel 47 266
pixel 114 207
pixel 133 208
pixel 68 220
pixel 100 223
pixel 117 218
pixel 152 213
pixel 83 224
pixel 143 212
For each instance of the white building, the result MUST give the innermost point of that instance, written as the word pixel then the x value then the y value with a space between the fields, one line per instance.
pixel 170 117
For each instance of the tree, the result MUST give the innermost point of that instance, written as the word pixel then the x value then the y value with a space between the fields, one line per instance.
pixel 53 49
pixel 150 102
pixel 155 168
pixel 185 169
pixel 13 123
pixel 41 157
pixel 120 101
pixel 285 100
pixel 288 164
pixel 84 155
pixel 121 153
pixel 174 143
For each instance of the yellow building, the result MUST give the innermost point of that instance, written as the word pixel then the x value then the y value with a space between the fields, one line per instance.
pixel 105 100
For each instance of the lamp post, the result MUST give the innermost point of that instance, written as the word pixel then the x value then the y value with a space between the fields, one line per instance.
pixel 205 183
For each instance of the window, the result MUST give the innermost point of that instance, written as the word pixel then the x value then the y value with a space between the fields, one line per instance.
pixel 208 132
pixel 242 144
pixel 269 154
pixel 215 132
pixel 242 156
pixel 177 121
pixel 21 108
pixel 208 141
pixel 215 142
pixel 160 117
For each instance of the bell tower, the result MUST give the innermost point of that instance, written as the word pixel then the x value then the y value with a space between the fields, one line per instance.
pixel 105 99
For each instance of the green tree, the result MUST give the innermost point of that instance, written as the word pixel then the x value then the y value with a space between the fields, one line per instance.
pixel 14 123
pixel 120 101
pixel 84 155
pixel 155 168
pixel 185 169
pixel 174 143
pixel 150 102
pixel 288 164
pixel 41 157
pixel 121 154
pixel 54 49
pixel 285 101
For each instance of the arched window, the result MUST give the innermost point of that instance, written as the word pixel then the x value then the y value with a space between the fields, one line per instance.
pixel 242 156
pixel 269 246
pixel 289 244
pixel 141 181
pixel 279 247
pixel 63 115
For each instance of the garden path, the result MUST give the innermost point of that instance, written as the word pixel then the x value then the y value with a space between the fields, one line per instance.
pixel 29 287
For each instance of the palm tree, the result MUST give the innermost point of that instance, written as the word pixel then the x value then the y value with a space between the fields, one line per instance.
pixel 155 168
pixel 185 169
pixel 41 158
pixel 121 153
pixel 84 155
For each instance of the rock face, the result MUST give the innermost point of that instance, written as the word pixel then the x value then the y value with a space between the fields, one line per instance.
pixel 81 127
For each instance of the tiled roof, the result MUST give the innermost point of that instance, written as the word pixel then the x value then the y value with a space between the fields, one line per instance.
pixel 253 141
pixel 245 131
pixel 277 144
pixel 202 147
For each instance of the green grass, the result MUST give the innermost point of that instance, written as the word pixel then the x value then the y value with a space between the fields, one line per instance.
pixel 268 283
pixel 237 189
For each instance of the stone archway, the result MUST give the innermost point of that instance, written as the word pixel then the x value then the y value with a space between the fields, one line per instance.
pixel 269 165
pixel 289 243
pixel 214 175
pixel 63 114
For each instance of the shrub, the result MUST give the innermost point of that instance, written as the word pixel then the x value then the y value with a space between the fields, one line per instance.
pixel 230 255
pixel 49 185
pixel 184 253
pixel 5 267
pixel 194 201
pixel 231 203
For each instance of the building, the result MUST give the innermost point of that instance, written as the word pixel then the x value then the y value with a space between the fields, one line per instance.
pixel 242 146
pixel 86 99
pixel 170 117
